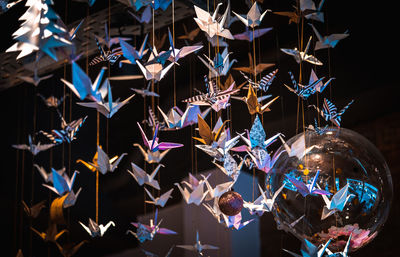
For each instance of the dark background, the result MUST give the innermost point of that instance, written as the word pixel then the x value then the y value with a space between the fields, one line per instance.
pixel 364 65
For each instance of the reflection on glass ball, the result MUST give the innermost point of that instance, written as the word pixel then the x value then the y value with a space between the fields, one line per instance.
pixel 342 157
pixel 230 203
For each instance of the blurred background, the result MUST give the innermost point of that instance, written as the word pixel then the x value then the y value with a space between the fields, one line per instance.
pixel 364 65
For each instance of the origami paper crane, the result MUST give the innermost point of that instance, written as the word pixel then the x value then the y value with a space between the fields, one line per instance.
pixel 48 177
pixel 61 183
pixel 145 17
pixel 253 17
pixel 162 200
pixel 51 234
pixel 337 202
pixel 314 85
pixel 230 167
pixel 153 145
pixel 262 203
pixel 198 247
pixel 264 83
pixel 300 56
pixel 150 156
pixel 345 251
pixel 96 230
pixel 307 189
pixel 249 35
pixel 35 80
pixel 34 210
pixel 51 101
pixel 298 148
pixel 235 222
pixel 33 148
pixel 310 250
pixel 148 232
pixel 311 11
pixel 215 211
pixel 327 41
pixel 67 133
pixel 261 159
pixel 108 109
pixel 146 91
pixel 208 136
pixel 317 129
pixel 197 195
pixel 330 113
pixel 83 87
pixel 257 69
pixel 320 86
pixel 253 103
pixel 218 190
pixel 210 25
pixel 110 55
pixel 101 162
pixel 110 41
pixel 130 52
pixel 40 32
pixel 217 99
pixel 177 54
pixel 219 150
pixel 142 177
pixel 189 35
pixel 154 71
pixel 220 65
pixel 176 119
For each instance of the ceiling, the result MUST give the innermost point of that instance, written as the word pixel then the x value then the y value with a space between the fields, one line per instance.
pixel 361 65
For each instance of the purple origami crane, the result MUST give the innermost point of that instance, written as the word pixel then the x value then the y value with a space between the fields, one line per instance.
pixel 153 144
pixel 307 189
pixel 250 35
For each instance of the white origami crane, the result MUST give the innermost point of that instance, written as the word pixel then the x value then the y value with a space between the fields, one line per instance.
pixel 300 56
pixel 150 156
pixel 298 148
pixel 198 247
pixel 218 190
pixel 162 200
pixel 48 177
pixel 197 195
pixel 102 162
pixel 109 108
pixel 35 80
pixel 344 253
pixel 253 17
pixel 210 25
pixel 327 41
pixel 337 202
pixel 220 65
pixel 143 178
pixel 154 71
pixel 33 148
pixel 236 221
pixel 96 230
pixel 262 203
pixel 146 91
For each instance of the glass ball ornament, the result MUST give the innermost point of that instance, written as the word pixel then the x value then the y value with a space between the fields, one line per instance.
pixel 342 157
pixel 230 203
